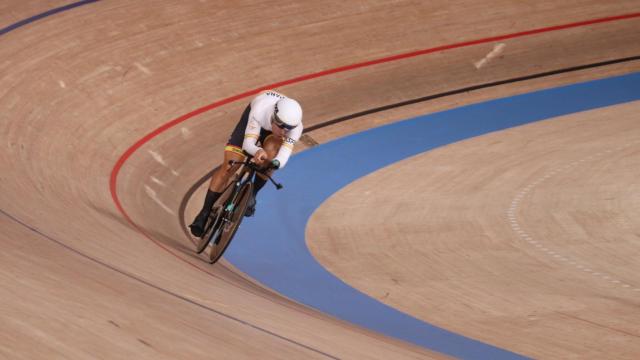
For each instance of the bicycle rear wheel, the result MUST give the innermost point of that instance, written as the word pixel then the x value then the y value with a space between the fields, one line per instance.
pixel 230 222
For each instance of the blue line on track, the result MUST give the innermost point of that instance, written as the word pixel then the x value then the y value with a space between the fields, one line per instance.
pixel 271 246
pixel 43 15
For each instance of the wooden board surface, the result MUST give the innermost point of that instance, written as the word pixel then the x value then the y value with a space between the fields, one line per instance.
pixel 80 88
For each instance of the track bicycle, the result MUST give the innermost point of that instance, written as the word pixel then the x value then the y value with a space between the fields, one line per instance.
pixel 229 210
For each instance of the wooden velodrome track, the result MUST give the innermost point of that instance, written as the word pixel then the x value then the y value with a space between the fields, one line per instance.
pixel 84 276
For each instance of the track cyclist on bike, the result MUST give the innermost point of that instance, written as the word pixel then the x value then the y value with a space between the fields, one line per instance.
pixel 268 129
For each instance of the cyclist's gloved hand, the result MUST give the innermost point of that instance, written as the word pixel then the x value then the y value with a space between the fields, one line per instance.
pixel 260 156
pixel 275 164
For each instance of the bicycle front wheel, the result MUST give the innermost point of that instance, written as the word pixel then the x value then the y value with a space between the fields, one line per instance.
pixel 231 221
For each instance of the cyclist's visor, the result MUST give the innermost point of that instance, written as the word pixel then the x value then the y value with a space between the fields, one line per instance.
pixel 281 124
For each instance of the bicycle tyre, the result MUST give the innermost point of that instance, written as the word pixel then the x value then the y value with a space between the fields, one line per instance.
pixel 229 229
pixel 211 227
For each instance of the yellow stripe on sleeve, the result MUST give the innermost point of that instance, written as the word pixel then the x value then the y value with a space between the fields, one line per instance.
pixel 234 149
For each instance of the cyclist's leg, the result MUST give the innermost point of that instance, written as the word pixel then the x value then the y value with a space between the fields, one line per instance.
pixel 222 175
pixel 233 151
pixel 271 144
pixel 220 178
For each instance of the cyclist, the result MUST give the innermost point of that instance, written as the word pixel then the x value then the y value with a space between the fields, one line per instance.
pixel 268 129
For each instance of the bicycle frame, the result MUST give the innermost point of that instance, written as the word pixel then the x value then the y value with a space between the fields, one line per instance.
pixel 228 211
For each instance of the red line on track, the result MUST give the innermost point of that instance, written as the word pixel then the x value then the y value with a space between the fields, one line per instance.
pixel 127 154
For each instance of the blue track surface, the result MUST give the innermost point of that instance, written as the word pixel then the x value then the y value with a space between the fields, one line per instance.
pixel 282 261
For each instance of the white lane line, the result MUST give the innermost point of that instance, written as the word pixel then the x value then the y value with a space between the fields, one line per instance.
pixel 152 194
pixel 157 157
pixel 142 68
pixel 523 235
pixel 497 50
pixel 186 133
pixel 157 181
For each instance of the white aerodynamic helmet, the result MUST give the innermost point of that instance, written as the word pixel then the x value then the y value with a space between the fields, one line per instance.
pixel 287 113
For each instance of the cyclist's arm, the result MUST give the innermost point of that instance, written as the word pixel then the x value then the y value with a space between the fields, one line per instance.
pixel 287 145
pixel 251 135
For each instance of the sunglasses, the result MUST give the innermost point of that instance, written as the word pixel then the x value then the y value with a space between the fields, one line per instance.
pixel 279 123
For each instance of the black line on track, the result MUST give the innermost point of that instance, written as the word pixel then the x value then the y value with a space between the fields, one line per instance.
pixel 197 184
pixel 467 89
pixel 161 289
pixel 43 15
